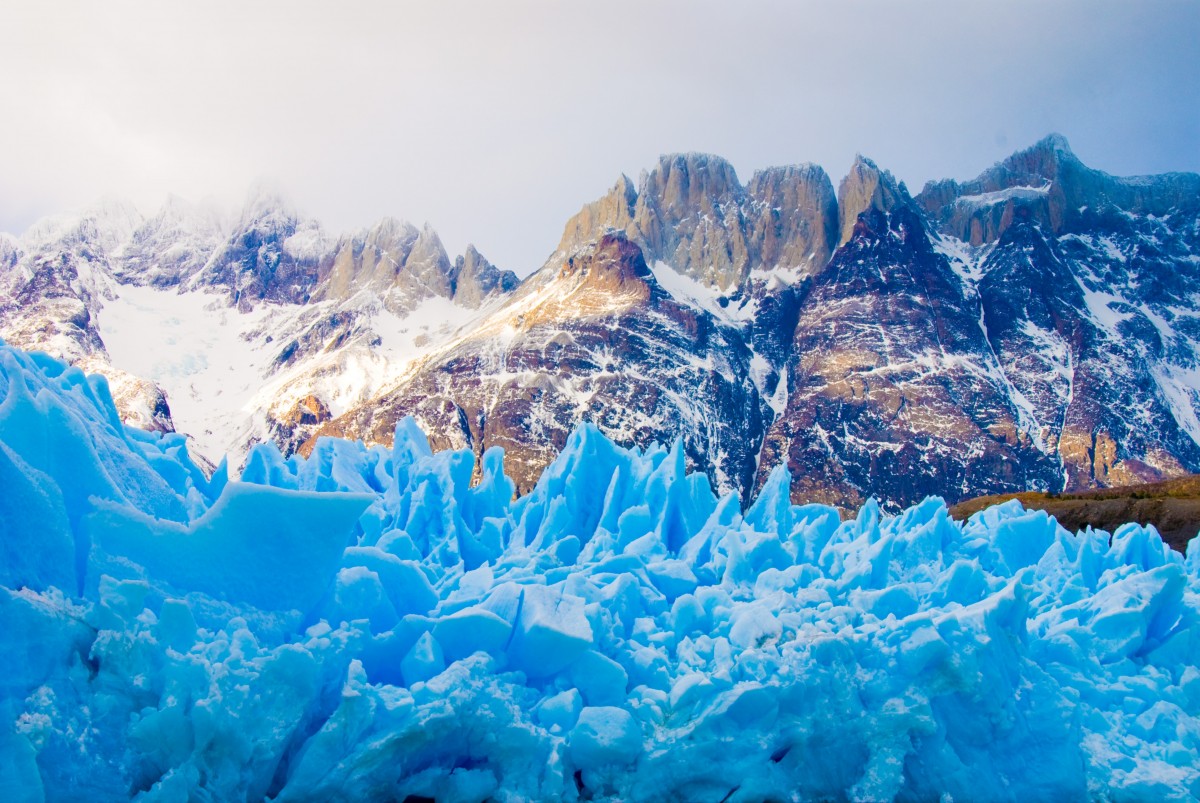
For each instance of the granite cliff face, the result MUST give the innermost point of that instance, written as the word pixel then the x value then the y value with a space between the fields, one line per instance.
pixel 692 213
pixel 1036 327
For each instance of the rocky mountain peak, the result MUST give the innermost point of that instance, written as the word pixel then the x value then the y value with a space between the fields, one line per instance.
pixel 866 188
pixel 613 210
pixel 797 225
pixel 599 278
pixel 1048 184
pixel 428 249
pixel 1050 159
pixel 172 246
pixel 684 183
pixel 10 250
pixel 690 214
pixel 180 213
pixel 92 233
pixel 1045 159
pixel 266 201
pixel 392 260
pixel 272 254
pixel 476 279
pixel 613 265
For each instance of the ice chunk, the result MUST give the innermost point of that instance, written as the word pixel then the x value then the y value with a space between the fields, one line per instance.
pixel 37 547
pixel 600 679
pixel 472 630
pixel 604 735
pixel 423 661
pixel 560 711
pixel 551 631
pixel 273 549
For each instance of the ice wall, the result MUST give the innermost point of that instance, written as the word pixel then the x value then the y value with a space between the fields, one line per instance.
pixel 366 625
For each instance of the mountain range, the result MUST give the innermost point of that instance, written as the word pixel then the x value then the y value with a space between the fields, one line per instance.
pixel 1035 328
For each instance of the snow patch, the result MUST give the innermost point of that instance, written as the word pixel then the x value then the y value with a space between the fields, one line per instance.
pixel 689 291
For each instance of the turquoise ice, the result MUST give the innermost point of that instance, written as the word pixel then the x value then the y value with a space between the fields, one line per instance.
pixel 373 623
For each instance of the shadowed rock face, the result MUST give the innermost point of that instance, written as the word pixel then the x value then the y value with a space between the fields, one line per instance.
pixel 1088 366
pixel 272 255
pixel 591 338
pixel 892 391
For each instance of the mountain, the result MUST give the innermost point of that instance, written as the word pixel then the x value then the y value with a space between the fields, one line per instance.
pixel 1087 286
pixel 592 337
pixel 1033 328
pixel 892 389
pixel 261 326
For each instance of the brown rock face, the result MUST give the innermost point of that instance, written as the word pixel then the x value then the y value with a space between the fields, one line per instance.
pixel 294 427
pixel 692 213
pixel 615 211
pixel 796 220
pixel 476 279
pixel 864 189
pixel 307 412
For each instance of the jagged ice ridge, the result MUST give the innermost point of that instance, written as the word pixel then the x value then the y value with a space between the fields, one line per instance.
pixel 366 624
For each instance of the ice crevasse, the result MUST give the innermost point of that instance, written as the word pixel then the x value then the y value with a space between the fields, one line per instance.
pixel 368 624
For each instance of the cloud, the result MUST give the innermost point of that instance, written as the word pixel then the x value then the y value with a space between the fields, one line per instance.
pixel 496 121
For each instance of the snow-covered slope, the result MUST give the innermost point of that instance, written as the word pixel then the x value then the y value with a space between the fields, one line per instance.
pixel 234 378
pixel 368 624
pixel 235 333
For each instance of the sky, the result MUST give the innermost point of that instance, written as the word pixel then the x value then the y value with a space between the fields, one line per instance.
pixel 495 122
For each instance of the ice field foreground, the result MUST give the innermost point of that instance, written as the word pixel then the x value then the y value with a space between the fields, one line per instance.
pixel 365 625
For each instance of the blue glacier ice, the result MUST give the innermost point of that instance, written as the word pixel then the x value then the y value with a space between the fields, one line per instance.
pixel 377 623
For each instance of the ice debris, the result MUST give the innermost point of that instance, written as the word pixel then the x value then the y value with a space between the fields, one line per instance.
pixel 369 624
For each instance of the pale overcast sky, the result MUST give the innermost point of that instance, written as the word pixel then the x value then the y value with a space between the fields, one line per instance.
pixel 496 121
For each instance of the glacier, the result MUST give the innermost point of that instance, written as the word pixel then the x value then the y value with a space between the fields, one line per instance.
pixel 378 623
